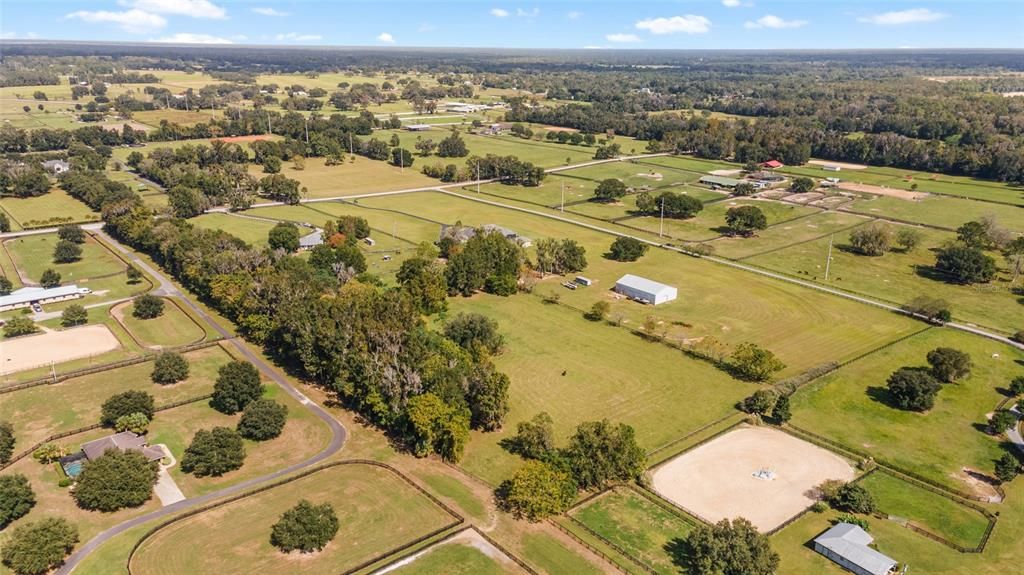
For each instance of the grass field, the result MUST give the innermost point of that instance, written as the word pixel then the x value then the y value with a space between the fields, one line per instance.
pixel 180 117
pixel 786 234
pixel 362 176
pixel 553 557
pixel 254 232
pixel 173 328
pixel 849 406
pixel 651 391
pixel 33 255
pixel 939 211
pixel 47 409
pixel 453 559
pixel 647 531
pixel 946 518
pixel 38 211
pixel 710 222
pixel 805 328
pixel 544 154
pixel 898 276
pixel 376 510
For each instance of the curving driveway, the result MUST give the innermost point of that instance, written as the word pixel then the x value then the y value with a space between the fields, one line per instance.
pixel 338 432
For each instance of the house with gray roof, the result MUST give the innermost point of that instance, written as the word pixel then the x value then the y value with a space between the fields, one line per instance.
pixel 311 240
pixel 56 166
pixel 123 441
pixel 847 544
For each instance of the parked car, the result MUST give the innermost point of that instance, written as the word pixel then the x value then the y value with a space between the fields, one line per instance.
pixel 37 308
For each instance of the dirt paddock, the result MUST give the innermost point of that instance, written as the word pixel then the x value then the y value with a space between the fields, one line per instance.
pixel 33 351
pixel 469 537
pixel 880 191
pixel 716 480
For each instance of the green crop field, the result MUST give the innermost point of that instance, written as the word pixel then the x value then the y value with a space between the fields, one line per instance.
pixel 48 409
pixel 944 517
pixel 850 406
pixel 51 208
pixel 377 511
pixel 939 211
pixel 33 255
pixel 803 327
pixel 454 558
pixel 173 328
pixel 647 531
pixel 252 231
pixel 651 391
pixel 897 276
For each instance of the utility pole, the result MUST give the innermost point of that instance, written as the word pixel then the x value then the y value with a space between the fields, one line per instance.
pixel 661 226
pixel 828 260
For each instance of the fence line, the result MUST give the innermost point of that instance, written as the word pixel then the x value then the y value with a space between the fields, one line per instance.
pixel 608 559
pixel 647 568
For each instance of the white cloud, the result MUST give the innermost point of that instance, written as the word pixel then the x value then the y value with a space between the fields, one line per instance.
pixel 622 38
pixel 688 24
pixel 911 16
pixel 269 12
pixel 770 21
pixel 527 14
pixel 736 4
pixel 499 13
pixel 574 15
pixel 386 38
pixel 193 8
pixel 189 38
pixel 134 21
pixel 295 37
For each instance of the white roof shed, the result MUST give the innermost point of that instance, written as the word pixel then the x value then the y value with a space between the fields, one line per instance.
pixel 847 545
pixel 645 290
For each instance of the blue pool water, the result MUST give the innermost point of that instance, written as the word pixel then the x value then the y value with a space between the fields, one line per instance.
pixel 73 468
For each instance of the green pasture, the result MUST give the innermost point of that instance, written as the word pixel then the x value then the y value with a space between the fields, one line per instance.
pixel 253 232
pixel 710 222
pixel 174 116
pixel 542 153
pixel 455 558
pixel 33 255
pixel 942 516
pixel 377 512
pixel 939 211
pixel 575 370
pixel 804 327
pixel 173 328
pixel 898 276
pixel 779 236
pixel 553 556
pixel 360 176
pixel 52 208
pixel 647 531
pixel 851 406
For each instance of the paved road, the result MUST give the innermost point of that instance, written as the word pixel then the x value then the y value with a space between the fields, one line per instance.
pixel 1014 432
pixel 338 432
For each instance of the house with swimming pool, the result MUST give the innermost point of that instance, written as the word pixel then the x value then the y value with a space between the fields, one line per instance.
pixel 123 441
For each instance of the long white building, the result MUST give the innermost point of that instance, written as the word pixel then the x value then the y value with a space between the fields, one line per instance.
pixel 645 290
pixel 27 296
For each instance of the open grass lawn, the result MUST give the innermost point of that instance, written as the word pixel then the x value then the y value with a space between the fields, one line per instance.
pixel 44 410
pixel 454 558
pixel 377 512
pixel 803 327
pixel 34 255
pixel 173 328
pixel 710 222
pixel 304 435
pixel 691 164
pixel 359 177
pixel 552 556
pixel 653 391
pixel 8 270
pixel 897 276
pixel 53 207
pixel 786 234
pixel 54 115
pixel 383 222
pixel 544 154
pixel 939 211
pixel 648 532
pixel 937 514
pixel 121 153
pixel 851 406
pixel 254 232
pixel 180 117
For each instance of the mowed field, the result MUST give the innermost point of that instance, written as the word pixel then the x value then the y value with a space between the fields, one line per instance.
pixel 649 532
pixel 349 178
pixel 377 511
pixel 577 371
pixel 803 327
pixel 939 211
pixel 38 211
pixel 173 328
pixel 897 276
pixel 253 232
pixel 33 255
pixel 851 406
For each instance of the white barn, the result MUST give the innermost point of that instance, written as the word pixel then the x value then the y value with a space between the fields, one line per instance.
pixel 645 290
pixel 847 545
pixel 27 296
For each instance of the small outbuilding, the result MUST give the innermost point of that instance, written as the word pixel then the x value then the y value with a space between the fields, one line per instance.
pixel 772 164
pixel 311 240
pixel 56 166
pixel 831 168
pixel 584 281
pixel 847 545
pixel 645 290
pixel 720 182
pixel 417 127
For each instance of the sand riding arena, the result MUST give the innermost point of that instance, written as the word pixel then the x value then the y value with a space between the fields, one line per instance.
pixel 759 473
pixel 33 351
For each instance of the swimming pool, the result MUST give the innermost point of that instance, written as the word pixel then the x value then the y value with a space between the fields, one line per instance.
pixel 73 468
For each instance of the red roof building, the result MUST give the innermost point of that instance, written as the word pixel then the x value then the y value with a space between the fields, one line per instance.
pixel 772 164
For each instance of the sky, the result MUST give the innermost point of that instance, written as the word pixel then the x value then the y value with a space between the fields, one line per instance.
pixel 617 24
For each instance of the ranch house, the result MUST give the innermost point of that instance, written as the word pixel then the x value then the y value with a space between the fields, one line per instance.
pixel 847 545
pixel 645 290
pixel 311 240
pixel 123 441
pixel 27 296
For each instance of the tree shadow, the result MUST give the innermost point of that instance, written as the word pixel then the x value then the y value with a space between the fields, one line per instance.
pixel 930 273
pixel 881 395
pixel 679 551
